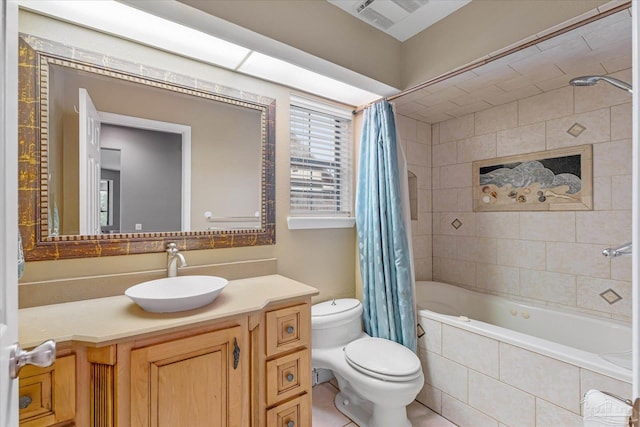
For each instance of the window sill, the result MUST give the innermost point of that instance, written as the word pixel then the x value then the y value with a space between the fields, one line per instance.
pixel 311 223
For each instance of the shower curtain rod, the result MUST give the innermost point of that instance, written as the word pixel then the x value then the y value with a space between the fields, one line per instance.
pixel 481 62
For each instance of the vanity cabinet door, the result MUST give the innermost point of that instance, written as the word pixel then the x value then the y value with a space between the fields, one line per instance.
pixel 194 381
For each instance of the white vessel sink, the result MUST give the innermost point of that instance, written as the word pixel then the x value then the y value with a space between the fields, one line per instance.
pixel 179 293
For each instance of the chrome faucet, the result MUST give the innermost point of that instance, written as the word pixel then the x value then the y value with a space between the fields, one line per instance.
pixel 618 251
pixel 173 257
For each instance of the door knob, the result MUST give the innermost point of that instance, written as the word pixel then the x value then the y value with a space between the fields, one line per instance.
pixel 43 356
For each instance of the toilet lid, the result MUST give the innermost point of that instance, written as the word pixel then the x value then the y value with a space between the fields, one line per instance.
pixel 383 359
pixel 332 307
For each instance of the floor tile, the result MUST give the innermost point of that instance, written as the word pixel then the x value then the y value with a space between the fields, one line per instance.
pixel 421 416
pixel 325 414
pixel 431 420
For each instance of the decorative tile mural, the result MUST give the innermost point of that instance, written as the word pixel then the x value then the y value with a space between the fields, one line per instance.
pixel 547 180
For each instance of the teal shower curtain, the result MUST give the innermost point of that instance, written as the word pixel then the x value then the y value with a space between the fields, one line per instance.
pixel 385 258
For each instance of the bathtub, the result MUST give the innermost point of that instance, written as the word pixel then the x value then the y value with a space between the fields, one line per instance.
pixel 475 343
pixel 599 344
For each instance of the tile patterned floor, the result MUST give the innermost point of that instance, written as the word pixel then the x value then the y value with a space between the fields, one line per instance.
pixel 325 414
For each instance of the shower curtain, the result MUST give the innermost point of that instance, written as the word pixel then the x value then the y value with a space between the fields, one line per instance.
pixel 383 244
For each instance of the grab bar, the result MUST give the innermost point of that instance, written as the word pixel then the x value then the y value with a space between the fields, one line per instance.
pixel 210 218
pixel 618 251
pixel 232 219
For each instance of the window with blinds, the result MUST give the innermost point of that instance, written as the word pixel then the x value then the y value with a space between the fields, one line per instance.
pixel 320 154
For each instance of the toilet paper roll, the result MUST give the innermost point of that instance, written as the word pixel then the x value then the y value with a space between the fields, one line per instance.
pixel 601 409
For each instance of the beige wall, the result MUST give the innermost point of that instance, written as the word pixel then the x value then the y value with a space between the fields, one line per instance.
pixel 317 27
pixel 480 28
pixel 324 258
pixel 552 258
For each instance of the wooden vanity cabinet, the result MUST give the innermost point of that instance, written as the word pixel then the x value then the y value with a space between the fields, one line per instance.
pixel 251 368
pixel 47 396
pixel 282 369
pixel 197 376
pixel 196 380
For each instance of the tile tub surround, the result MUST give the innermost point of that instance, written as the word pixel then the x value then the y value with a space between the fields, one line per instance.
pixel 552 258
pixel 415 139
pixel 499 384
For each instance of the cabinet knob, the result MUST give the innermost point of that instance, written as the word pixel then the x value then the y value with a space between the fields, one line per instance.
pixel 291 424
pixel 24 402
pixel 290 377
pixel 290 329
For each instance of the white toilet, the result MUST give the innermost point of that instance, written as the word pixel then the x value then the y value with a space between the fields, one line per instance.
pixel 377 378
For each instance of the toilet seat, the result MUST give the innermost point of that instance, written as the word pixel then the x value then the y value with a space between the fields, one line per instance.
pixel 383 359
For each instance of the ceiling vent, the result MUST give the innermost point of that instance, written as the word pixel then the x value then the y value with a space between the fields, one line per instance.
pixel 401 19
pixel 373 17
pixel 382 14
pixel 410 5
pixel 363 6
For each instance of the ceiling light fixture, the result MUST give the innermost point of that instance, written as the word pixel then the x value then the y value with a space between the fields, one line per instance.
pixel 275 70
pixel 127 22
pixel 133 24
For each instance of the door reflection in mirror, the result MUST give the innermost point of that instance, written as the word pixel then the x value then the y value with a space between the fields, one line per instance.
pixel 223 175
pixel 150 175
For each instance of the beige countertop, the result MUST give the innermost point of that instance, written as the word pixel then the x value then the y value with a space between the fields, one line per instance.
pixel 105 320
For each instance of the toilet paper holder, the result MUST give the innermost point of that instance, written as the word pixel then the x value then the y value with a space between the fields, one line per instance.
pixel 615 396
pixel 633 417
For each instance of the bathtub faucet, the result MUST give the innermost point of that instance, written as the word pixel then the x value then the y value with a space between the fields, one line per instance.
pixel 620 250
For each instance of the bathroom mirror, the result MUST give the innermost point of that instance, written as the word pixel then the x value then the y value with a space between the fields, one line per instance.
pixel 120 158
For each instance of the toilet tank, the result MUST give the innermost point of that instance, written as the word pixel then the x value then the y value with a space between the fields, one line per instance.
pixel 336 322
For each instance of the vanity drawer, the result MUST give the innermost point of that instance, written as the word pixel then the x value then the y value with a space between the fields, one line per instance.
pixel 35 396
pixel 288 376
pixel 288 328
pixel 47 396
pixel 295 413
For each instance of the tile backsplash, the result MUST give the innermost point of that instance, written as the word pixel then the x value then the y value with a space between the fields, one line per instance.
pixel 552 258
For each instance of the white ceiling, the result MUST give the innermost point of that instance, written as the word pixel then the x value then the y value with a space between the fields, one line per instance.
pixel 602 47
pixel 401 19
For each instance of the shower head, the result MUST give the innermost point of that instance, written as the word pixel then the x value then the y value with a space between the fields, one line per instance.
pixel 592 80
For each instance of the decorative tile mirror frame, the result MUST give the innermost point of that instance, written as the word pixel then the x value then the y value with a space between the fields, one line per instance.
pixel 35 55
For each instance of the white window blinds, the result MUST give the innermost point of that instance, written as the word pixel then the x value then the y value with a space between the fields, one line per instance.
pixel 320 155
